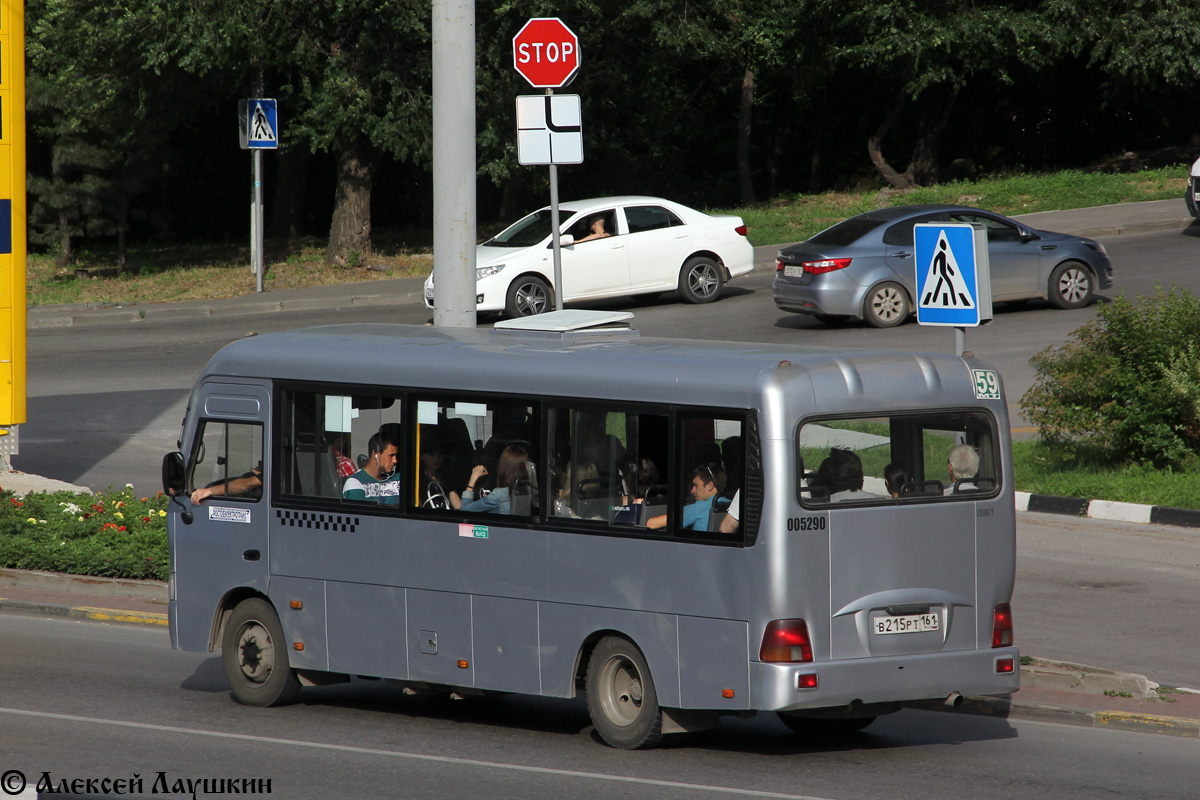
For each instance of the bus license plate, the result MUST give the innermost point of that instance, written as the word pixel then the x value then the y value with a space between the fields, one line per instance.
pixel 914 623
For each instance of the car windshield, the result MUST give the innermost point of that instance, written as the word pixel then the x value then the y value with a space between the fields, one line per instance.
pixel 846 232
pixel 527 231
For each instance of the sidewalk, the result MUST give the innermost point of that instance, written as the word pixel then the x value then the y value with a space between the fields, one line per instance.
pixel 1068 694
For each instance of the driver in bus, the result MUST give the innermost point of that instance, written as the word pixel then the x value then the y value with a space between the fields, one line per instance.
pixel 378 481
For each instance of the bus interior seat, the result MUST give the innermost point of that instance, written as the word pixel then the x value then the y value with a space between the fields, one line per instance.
pixel 646 511
pixel 521 501
pixel 718 510
pixel 931 488
pixel 974 485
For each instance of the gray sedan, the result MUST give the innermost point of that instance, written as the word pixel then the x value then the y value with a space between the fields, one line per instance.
pixel 863 267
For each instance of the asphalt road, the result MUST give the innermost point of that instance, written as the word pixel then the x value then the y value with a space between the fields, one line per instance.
pixel 84 700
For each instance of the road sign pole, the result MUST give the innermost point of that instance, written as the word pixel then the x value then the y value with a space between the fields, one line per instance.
pixel 258 221
pixel 454 163
pixel 555 236
pixel 960 341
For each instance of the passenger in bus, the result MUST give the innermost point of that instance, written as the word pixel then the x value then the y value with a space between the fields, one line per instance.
pixel 509 470
pixel 642 476
pixel 963 464
pixel 894 477
pixel 731 522
pixel 378 481
pixel 707 483
pixel 436 495
pixel 571 478
pixel 842 475
pixel 247 485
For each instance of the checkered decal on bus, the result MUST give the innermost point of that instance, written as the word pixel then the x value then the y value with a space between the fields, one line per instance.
pixel 316 521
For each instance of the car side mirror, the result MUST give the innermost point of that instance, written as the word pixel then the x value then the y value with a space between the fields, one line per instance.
pixel 173 473
pixel 1028 235
pixel 566 240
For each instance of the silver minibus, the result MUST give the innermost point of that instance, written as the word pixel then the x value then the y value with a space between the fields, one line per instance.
pixel 679 529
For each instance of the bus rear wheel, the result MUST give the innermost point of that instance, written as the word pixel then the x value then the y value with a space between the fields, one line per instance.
pixel 254 654
pixel 621 697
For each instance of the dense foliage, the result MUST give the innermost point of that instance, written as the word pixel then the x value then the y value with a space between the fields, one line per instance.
pixel 1126 387
pixel 132 104
pixel 115 535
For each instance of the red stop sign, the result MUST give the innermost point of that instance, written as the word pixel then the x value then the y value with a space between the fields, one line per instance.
pixel 546 52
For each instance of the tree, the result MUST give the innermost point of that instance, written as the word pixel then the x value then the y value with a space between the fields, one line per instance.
pixel 928 50
pixel 101 98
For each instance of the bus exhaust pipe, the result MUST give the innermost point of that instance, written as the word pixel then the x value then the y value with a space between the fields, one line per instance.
pixel 953 700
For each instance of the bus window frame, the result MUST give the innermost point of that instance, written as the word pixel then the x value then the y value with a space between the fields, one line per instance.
pixel 922 419
pixel 305 502
pixel 192 463
pixel 411 396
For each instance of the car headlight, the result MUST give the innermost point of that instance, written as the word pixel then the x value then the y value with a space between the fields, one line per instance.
pixel 483 272
pixel 1099 248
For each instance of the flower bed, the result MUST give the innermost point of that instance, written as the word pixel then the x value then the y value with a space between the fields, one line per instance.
pixel 114 535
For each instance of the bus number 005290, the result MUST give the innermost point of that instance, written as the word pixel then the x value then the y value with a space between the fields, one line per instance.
pixel 806 523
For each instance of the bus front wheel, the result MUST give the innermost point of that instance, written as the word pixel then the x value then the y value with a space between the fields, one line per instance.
pixel 621 697
pixel 254 654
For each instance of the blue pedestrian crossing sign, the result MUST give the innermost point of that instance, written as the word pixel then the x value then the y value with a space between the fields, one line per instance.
pixel 258 124
pixel 953 280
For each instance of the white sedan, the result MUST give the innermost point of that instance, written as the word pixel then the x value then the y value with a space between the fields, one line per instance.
pixel 611 246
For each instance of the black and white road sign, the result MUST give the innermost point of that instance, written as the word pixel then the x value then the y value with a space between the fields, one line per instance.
pixel 950 289
pixel 549 129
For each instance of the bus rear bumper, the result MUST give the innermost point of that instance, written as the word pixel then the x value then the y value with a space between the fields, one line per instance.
pixel 896 679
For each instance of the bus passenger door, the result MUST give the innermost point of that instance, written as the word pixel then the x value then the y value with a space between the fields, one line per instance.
pixel 226 543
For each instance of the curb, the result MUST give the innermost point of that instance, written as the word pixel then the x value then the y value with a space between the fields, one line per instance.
pixel 88 316
pixel 88 613
pixel 1008 708
pixel 1108 509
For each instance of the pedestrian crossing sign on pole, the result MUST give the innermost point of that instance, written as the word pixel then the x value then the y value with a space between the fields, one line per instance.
pixel 259 124
pixel 953 279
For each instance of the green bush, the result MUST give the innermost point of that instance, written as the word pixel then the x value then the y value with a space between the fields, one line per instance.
pixel 112 535
pixel 1127 386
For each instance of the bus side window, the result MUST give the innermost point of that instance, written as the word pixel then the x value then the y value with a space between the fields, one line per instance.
pixel 712 471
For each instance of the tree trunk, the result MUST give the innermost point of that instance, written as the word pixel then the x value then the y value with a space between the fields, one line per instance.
pixel 815 179
pixel 743 137
pixel 287 210
pixel 890 175
pixel 65 255
pixel 923 168
pixel 350 231
pixel 122 228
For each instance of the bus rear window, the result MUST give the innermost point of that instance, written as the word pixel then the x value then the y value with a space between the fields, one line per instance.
pixel 944 455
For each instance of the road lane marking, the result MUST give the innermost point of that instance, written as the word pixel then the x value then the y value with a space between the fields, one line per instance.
pixel 468 762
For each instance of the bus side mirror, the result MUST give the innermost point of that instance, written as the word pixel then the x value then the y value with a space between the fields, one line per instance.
pixel 173 474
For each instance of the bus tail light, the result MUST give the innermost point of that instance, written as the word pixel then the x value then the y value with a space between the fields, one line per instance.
pixel 1002 626
pixel 786 641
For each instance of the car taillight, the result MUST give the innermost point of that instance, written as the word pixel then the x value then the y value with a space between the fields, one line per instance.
pixel 1002 626
pixel 786 641
pixel 778 264
pixel 825 265
pixel 741 230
